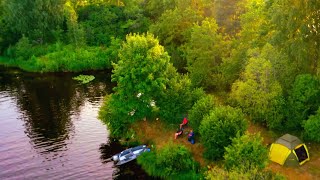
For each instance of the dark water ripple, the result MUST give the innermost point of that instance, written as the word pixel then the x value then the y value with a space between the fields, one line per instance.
pixel 49 130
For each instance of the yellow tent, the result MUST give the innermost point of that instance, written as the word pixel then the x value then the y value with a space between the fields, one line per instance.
pixel 289 150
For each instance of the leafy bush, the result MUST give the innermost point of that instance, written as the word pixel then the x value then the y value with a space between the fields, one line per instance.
pixel 23 49
pixel 170 161
pixel 303 100
pixel 257 89
pixel 245 152
pixel 180 97
pixel 251 174
pixel 312 127
pixel 116 120
pixel 75 59
pixel 217 129
pixel 199 110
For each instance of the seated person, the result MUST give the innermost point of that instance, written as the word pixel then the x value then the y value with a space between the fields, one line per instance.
pixel 178 133
pixel 191 137
pixel 184 122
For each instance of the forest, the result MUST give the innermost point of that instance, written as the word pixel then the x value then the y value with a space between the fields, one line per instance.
pixel 226 64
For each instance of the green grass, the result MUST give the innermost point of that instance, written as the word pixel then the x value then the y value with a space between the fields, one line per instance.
pixel 65 59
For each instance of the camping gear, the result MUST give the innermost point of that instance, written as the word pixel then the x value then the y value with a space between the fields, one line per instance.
pixel 129 154
pixel 289 150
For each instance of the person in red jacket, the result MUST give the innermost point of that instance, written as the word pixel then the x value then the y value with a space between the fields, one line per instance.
pixel 184 122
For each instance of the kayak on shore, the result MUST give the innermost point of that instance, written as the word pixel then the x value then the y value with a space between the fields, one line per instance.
pixel 129 154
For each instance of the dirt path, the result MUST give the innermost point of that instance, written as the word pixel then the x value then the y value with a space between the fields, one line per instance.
pixel 155 132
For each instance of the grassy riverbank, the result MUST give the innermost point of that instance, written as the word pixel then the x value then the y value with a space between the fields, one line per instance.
pixel 158 134
pixel 60 58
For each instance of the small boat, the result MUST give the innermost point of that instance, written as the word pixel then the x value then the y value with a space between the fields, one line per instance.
pixel 129 154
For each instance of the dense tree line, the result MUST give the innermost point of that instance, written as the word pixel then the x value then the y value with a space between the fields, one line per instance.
pixel 263 56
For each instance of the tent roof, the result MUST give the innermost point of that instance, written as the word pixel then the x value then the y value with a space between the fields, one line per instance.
pixel 289 141
pixel 279 153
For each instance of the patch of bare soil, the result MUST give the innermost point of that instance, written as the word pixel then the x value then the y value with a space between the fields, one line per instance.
pixel 158 134
pixel 308 171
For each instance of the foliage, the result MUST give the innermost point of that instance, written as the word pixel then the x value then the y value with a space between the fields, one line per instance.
pixel 235 174
pixel 34 19
pixel 254 33
pixel 303 100
pixel 312 127
pixel 172 29
pixel 199 110
pixel 180 97
pixel 296 32
pixel 155 8
pixel 204 51
pixel 58 57
pixel 23 49
pixel 84 79
pixel 245 152
pixel 102 22
pixel 75 32
pixel 116 120
pixel 168 162
pixel 257 89
pixel 217 129
pixel 142 74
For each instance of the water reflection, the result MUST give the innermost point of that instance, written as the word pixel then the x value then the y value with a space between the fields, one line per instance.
pixel 49 129
pixel 48 102
pixel 130 170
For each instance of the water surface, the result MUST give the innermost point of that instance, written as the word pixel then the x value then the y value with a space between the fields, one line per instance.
pixel 49 129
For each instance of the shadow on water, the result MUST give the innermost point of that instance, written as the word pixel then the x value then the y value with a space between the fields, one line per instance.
pixel 48 101
pixel 130 170
pixel 57 117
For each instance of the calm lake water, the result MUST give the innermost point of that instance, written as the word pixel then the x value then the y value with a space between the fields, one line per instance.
pixel 49 129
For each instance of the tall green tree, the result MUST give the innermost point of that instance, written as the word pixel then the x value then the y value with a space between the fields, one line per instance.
pixel 142 74
pixel 173 27
pixel 35 19
pixel 204 51
pixel 254 33
pixel 179 98
pixel 75 32
pixel 296 26
pixel 155 8
pixel 257 90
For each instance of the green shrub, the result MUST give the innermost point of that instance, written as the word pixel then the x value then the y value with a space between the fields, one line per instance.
pixel 74 59
pixel 199 110
pixel 179 99
pixel 312 127
pixel 245 152
pixel 217 129
pixel 251 174
pixel 170 161
pixel 23 49
pixel 116 120
pixel 303 100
